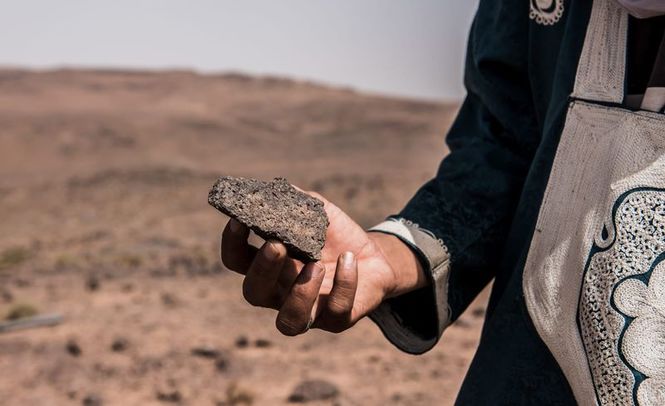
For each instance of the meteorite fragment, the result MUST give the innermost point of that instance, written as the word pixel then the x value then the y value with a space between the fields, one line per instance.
pixel 274 210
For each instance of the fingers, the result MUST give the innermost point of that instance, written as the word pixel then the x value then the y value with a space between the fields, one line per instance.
pixel 340 301
pixel 259 286
pixel 296 312
pixel 336 314
pixel 237 254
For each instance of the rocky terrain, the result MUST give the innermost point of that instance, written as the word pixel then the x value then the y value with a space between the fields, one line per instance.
pixel 104 219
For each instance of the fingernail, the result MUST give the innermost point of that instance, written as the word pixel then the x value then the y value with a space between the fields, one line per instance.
pixel 313 271
pixel 318 269
pixel 347 259
pixel 270 251
pixel 235 226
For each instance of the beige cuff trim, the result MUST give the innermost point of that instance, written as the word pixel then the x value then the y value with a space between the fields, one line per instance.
pixel 434 251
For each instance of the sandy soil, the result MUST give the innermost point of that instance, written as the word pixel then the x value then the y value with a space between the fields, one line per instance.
pixel 103 185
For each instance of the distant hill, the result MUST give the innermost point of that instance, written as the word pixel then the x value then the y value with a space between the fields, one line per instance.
pixel 57 127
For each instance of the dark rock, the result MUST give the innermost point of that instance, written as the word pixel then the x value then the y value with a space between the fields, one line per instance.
pixel 22 283
pixel 192 265
pixel 205 351
pixel 92 283
pixel 373 359
pixel 262 343
pixel 120 344
pixel 92 400
pixel 222 364
pixel 313 390
pixel 242 342
pixel 172 396
pixel 73 348
pixel 274 210
pixel 6 295
pixel 169 299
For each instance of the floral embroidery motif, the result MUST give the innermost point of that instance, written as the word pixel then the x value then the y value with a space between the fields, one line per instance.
pixel 621 313
pixel 546 12
pixel 643 342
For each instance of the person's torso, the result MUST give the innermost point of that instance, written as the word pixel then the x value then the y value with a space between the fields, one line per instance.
pixel 555 330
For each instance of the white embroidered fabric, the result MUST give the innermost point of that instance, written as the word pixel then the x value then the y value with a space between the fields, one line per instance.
pixel 546 12
pixel 601 69
pixel 643 344
pixel 625 343
pixel 593 279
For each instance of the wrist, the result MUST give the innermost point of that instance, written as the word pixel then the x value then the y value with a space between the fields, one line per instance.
pixel 407 269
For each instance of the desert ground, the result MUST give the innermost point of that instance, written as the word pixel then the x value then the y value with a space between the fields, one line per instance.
pixel 104 219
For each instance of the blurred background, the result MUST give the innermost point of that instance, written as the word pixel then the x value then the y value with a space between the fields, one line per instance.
pixel 117 117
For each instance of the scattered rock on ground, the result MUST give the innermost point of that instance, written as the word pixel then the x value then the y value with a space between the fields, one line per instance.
pixel 191 265
pixel 6 295
pixel 169 299
pixel 73 348
pixel 313 390
pixel 373 359
pixel 222 364
pixel 169 395
pixel 22 283
pixel 242 342
pixel 262 343
pixel 92 283
pixel 274 210
pixel 205 351
pixel 92 400
pixel 120 344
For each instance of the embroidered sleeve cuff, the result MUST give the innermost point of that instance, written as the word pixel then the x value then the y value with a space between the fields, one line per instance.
pixel 414 322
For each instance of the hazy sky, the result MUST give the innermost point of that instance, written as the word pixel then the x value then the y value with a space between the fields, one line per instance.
pixel 404 47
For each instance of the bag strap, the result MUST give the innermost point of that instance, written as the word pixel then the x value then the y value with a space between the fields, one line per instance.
pixel 602 66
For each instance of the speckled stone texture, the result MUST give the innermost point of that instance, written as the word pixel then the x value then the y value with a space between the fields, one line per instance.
pixel 274 210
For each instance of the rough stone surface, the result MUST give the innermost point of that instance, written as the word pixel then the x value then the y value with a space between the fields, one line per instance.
pixel 274 210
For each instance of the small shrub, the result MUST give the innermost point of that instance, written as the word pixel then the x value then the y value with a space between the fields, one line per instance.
pixel 12 257
pixel 20 311
pixel 236 396
pixel 66 261
pixel 130 261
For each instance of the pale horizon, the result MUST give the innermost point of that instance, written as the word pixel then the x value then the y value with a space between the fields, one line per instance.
pixel 402 49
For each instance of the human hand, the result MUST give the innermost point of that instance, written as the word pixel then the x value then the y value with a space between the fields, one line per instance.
pixel 357 271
